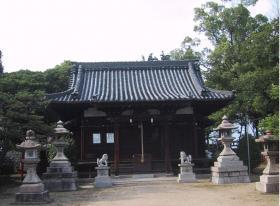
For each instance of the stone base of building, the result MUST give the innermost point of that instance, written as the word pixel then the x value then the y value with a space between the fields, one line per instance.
pixel 268 184
pixel 186 177
pixel 229 169
pixel 32 198
pixel 60 177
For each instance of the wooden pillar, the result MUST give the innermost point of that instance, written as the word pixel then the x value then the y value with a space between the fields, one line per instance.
pixel 167 158
pixel 195 137
pixel 116 149
pixel 82 142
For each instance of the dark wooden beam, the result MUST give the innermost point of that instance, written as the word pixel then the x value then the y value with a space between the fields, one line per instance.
pixel 82 144
pixel 195 137
pixel 116 149
pixel 82 141
pixel 167 157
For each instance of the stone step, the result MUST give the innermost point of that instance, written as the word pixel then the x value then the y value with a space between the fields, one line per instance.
pixel 49 175
pixel 60 164
pixel 60 169
pixel 230 180
pixel 230 174
pixel 56 185
pixel 232 168
pixel 228 163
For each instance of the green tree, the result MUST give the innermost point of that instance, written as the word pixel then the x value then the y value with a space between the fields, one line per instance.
pixel 271 121
pixel 187 50
pixel 23 103
pixel 244 58
pixel 57 78
pixel 22 107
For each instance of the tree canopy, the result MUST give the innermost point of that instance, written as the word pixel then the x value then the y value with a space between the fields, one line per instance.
pixel 245 58
pixel 23 103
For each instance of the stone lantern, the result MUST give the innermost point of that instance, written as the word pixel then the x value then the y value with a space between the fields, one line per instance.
pixel 269 181
pixel 60 176
pixel 228 168
pixel 32 189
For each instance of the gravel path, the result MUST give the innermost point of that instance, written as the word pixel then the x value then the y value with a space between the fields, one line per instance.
pixel 158 193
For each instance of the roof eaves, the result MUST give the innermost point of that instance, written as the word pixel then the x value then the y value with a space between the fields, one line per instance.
pixel 59 94
pixel 224 92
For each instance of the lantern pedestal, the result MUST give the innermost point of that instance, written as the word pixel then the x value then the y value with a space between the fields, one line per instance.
pixel 60 176
pixel 269 181
pixel 32 191
pixel 229 169
pixel 102 179
pixel 186 173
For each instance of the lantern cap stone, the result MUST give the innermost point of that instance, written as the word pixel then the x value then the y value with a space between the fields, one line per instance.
pixel 60 129
pixel 268 137
pixel 225 125
pixel 30 135
pixel 29 142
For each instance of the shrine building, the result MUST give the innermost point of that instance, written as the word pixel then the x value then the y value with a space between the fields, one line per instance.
pixel 142 114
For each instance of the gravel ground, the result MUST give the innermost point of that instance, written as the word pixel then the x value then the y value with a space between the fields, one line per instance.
pixel 158 193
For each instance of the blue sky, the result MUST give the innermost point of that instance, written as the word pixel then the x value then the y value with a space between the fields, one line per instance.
pixel 39 34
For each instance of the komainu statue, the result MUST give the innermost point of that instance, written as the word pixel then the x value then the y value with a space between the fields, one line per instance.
pixel 103 161
pixel 103 178
pixel 185 158
pixel 186 169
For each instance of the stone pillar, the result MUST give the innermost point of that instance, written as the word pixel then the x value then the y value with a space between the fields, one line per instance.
pixel 60 176
pixel 32 191
pixel 228 168
pixel 269 181
pixel 186 169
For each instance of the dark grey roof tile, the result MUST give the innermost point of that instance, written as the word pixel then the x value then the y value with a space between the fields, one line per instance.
pixel 137 81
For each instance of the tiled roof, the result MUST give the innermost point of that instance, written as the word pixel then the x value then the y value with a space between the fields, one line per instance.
pixel 137 81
